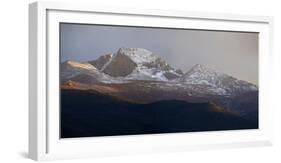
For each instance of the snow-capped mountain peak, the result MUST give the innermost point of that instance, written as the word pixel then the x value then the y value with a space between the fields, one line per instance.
pixel 214 81
pixel 138 55
pixel 137 64
pixel 200 68
pixel 203 70
pixel 200 73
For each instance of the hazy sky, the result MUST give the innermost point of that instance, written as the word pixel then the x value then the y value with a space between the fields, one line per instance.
pixel 233 53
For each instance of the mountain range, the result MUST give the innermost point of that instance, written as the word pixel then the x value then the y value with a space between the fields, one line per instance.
pixel 139 77
pixel 136 64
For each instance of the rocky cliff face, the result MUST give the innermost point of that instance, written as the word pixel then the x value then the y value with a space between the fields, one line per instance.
pixel 120 65
pixel 101 61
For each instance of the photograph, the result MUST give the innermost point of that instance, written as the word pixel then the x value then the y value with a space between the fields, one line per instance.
pixel 120 80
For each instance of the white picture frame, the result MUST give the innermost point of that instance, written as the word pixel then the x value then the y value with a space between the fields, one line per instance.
pixel 44 142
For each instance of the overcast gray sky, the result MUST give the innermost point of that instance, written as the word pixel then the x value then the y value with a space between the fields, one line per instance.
pixel 233 53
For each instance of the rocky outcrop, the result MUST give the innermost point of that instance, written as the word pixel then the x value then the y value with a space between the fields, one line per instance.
pixel 120 66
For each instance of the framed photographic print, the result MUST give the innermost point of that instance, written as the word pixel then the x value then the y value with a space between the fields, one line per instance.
pixel 111 81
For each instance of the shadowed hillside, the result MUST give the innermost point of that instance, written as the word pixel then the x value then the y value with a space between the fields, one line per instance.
pixel 89 113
